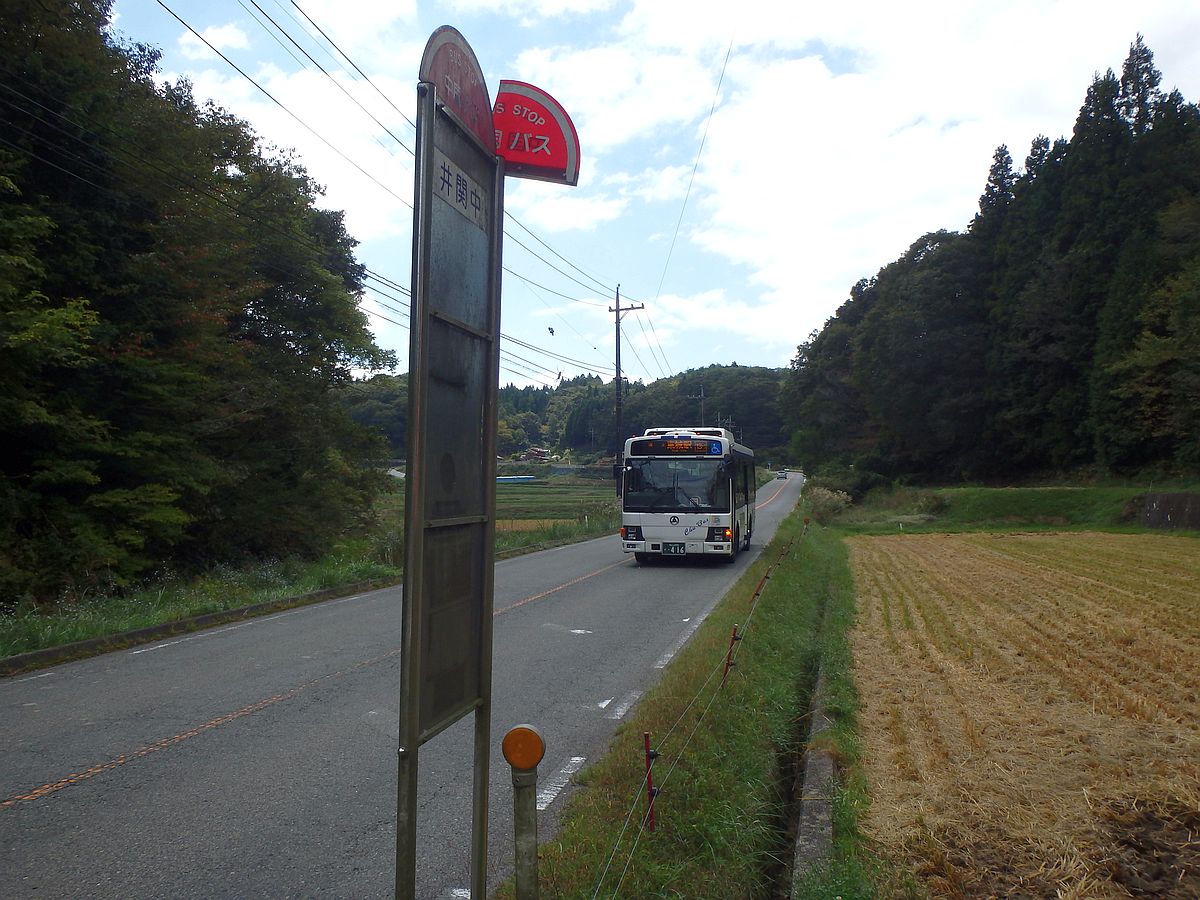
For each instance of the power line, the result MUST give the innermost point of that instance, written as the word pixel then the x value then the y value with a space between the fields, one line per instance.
pixel 547 262
pixel 326 73
pixel 272 35
pixel 273 99
pixel 606 288
pixel 533 290
pixel 587 367
pixel 368 273
pixel 168 176
pixel 355 65
pixel 533 283
pixel 650 346
pixel 638 356
pixel 695 166
pixel 661 349
pixel 595 281
pixel 335 82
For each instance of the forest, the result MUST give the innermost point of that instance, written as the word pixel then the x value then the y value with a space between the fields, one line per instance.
pixel 182 348
pixel 176 314
pixel 1060 333
pixel 577 416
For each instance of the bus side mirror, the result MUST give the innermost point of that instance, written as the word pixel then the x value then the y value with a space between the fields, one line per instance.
pixel 617 467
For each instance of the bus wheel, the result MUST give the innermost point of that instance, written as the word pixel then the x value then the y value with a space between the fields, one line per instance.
pixel 642 558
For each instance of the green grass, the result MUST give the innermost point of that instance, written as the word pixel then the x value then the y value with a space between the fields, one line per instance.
pixel 957 509
pixel 36 627
pixel 552 499
pixel 578 510
pixel 725 778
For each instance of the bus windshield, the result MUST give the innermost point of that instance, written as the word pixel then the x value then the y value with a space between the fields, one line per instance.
pixel 676 485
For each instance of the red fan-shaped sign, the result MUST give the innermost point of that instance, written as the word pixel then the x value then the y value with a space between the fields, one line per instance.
pixel 450 65
pixel 534 134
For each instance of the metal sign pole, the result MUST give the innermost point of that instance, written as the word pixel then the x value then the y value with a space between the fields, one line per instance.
pixel 483 715
pixel 414 502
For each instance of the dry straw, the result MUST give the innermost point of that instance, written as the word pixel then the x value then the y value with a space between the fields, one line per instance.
pixel 1031 710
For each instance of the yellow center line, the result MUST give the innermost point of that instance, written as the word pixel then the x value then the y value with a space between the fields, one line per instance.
pixel 117 761
pixel 92 771
pixel 553 590
pixel 772 497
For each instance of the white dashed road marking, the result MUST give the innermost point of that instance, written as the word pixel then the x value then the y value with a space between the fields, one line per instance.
pixel 556 782
pixel 618 711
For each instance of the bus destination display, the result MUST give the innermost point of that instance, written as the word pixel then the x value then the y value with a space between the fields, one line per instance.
pixel 675 447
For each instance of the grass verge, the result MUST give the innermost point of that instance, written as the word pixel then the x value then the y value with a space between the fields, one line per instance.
pixel 727 755
pixel 36 627
pixel 1096 508
pixel 566 512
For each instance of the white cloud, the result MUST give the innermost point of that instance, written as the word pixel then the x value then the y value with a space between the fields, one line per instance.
pixel 553 208
pixel 374 188
pixel 652 185
pixel 615 94
pixel 842 134
pixel 221 37
pixel 531 11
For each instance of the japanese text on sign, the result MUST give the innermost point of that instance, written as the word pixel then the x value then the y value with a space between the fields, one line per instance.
pixel 522 141
pixel 534 134
pixel 458 189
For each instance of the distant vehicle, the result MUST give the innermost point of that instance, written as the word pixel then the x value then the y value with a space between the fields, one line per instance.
pixel 687 491
pixel 782 473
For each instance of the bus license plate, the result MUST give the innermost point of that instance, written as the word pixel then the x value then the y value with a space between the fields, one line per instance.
pixel 674 549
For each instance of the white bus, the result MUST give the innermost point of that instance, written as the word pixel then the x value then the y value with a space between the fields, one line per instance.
pixel 687 491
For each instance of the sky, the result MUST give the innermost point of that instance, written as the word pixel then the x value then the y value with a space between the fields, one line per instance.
pixel 743 165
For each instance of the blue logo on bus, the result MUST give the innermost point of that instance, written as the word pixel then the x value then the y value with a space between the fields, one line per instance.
pixel 714 448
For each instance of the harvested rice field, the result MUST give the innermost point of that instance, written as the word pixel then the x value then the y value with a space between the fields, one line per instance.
pixel 524 524
pixel 1031 711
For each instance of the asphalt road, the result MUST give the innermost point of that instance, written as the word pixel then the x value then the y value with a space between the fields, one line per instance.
pixel 259 759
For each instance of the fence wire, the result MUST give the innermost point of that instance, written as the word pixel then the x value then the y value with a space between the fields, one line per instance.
pixel 678 756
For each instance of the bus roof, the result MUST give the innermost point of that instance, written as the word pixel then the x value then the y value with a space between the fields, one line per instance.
pixel 693 432
pixel 699 431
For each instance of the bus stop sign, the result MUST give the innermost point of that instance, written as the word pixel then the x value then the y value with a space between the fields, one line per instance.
pixel 534 135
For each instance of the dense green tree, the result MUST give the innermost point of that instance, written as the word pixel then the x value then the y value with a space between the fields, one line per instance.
pixel 997 194
pixel 824 408
pixel 381 404
pixel 917 357
pixel 176 314
pixel 1059 332
pixel 1139 94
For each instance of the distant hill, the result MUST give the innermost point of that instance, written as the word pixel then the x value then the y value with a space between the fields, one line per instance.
pixel 578 414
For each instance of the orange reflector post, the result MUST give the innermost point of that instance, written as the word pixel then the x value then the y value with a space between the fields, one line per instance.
pixel 523 747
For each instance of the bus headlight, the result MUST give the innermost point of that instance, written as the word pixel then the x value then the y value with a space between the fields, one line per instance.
pixel 720 535
pixel 631 532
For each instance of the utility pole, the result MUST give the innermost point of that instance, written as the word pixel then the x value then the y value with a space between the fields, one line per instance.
pixel 617 310
pixel 700 397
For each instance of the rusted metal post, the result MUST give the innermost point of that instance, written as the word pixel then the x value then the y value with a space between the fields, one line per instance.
pixel 651 790
pixel 729 663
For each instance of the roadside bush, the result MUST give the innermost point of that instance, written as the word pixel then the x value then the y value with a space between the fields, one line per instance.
pixel 930 504
pixel 823 504
pixel 848 479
